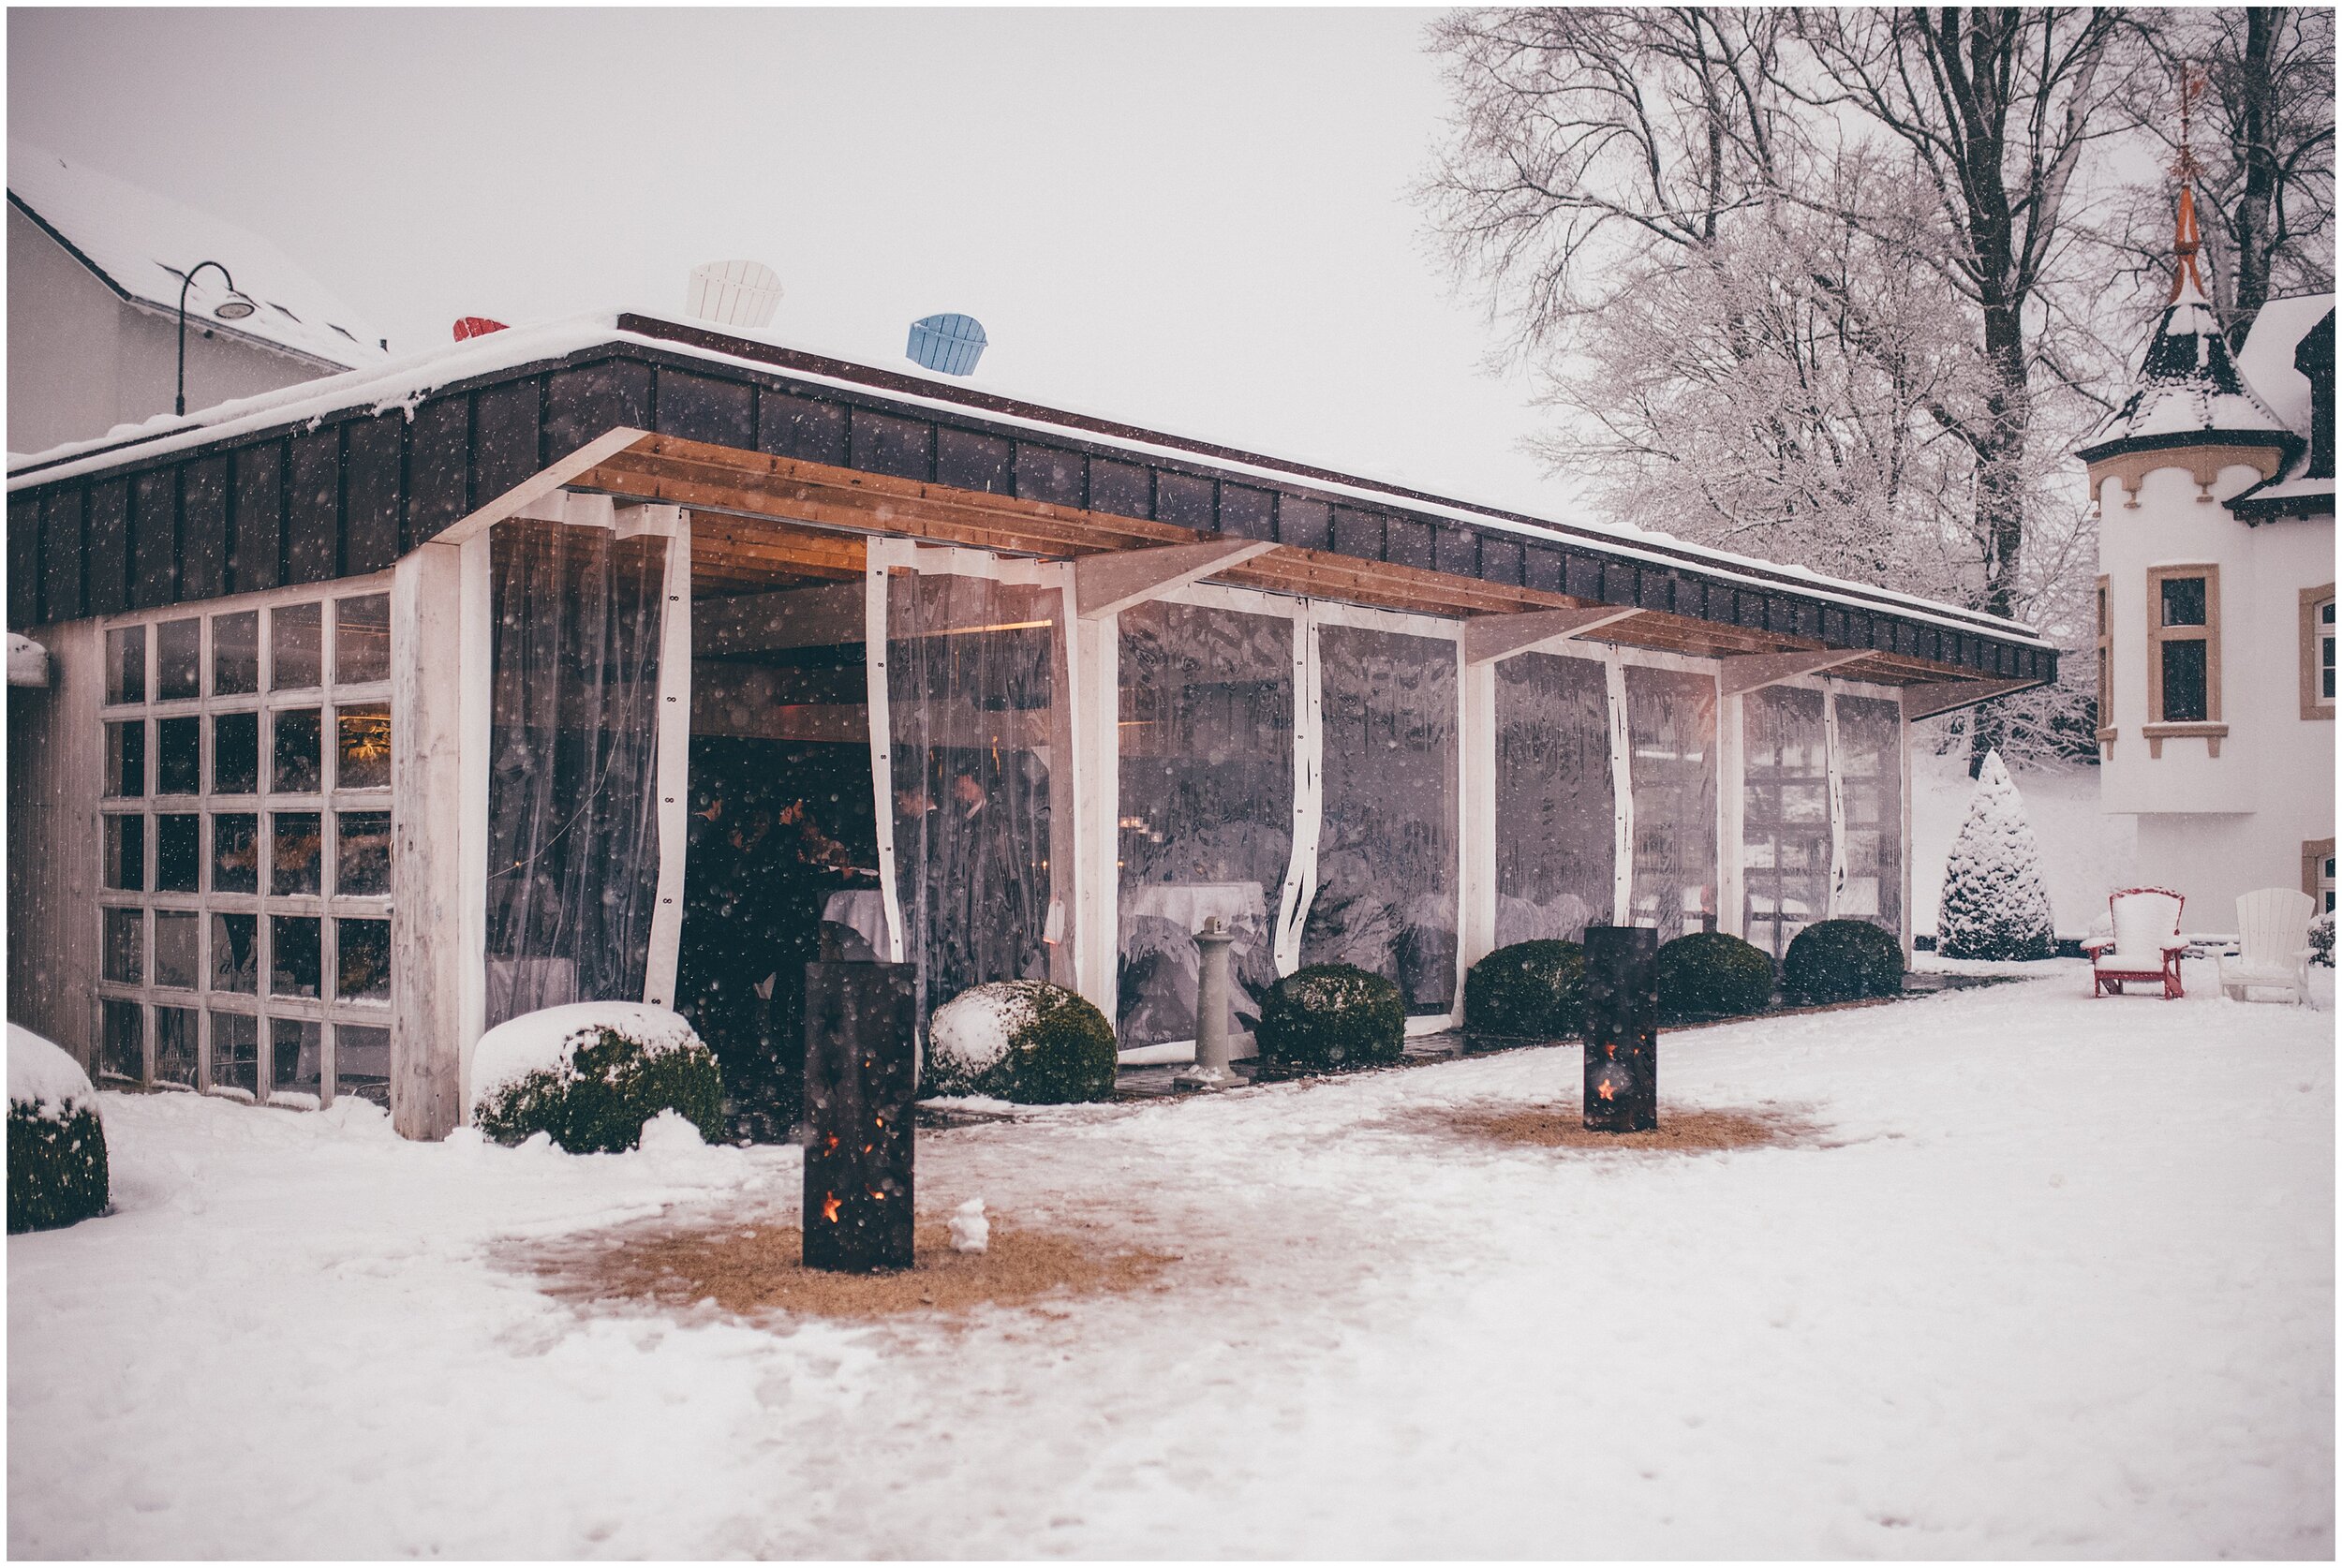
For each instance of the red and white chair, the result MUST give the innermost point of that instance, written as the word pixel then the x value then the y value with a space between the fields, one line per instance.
pixel 2145 946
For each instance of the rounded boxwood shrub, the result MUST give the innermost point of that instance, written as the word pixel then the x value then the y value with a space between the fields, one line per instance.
pixel 1709 974
pixel 1841 960
pixel 1530 988
pixel 591 1073
pixel 56 1144
pixel 1021 1039
pixel 1332 1016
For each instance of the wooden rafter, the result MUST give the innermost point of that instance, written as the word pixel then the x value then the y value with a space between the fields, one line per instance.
pixel 1488 638
pixel 1753 672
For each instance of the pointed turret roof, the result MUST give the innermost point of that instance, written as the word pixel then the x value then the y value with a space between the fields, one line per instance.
pixel 2188 391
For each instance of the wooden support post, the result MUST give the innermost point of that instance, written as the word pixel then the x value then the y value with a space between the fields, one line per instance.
pixel 861 1081
pixel 1117 579
pixel 1622 1092
pixel 428 928
pixel 1752 672
pixel 1488 638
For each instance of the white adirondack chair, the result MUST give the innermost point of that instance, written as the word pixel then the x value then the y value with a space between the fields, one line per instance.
pixel 2272 937
pixel 2145 947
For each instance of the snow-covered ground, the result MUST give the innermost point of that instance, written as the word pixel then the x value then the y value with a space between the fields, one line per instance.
pixel 2058 1281
pixel 2085 854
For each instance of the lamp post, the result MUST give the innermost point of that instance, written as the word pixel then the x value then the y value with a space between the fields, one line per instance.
pixel 235 307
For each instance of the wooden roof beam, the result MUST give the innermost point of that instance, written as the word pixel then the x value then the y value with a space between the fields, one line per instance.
pixel 1489 638
pixel 1754 671
pixel 1929 697
pixel 1116 579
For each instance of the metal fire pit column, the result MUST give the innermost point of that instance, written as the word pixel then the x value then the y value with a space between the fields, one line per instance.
pixel 1210 1071
pixel 1621 1028
pixel 861 1077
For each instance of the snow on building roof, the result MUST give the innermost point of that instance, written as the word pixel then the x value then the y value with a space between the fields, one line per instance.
pixel 2266 360
pixel 139 244
pixel 2187 385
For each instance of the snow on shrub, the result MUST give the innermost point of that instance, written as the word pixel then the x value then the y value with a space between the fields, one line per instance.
pixel 2321 939
pixel 1536 988
pixel 1995 904
pixel 56 1144
pixel 1332 1016
pixel 1021 1039
pixel 1841 960
pixel 590 1075
pixel 1711 974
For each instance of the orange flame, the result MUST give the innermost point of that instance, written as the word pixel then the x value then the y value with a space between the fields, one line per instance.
pixel 1606 1089
pixel 829 1208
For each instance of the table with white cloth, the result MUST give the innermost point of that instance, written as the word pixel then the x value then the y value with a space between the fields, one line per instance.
pixel 863 912
pixel 1158 955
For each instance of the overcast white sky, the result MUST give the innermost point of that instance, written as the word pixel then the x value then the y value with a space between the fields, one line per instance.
pixel 1192 219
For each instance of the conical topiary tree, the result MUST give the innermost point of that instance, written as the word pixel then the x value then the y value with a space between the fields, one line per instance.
pixel 1995 904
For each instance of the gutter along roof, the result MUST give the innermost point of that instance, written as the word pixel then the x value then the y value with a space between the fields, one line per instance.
pixel 341 477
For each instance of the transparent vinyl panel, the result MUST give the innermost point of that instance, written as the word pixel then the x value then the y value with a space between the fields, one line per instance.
pixel 1784 816
pixel 1672 733
pixel 1870 783
pixel 1205 732
pixel 1387 854
pixel 573 839
pixel 971 671
pixel 1556 841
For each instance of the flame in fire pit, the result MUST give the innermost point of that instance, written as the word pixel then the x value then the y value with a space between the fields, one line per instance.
pixel 829 1208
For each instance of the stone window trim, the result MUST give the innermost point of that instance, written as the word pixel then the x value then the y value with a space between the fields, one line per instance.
pixel 328 801
pixel 2106 663
pixel 2315 703
pixel 2315 853
pixel 2210 727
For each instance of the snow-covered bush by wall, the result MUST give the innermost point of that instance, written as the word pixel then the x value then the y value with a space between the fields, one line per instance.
pixel 591 1073
pixel 57 1170
pixel 2321 939
pixel 1996 903
pixel 1021 1039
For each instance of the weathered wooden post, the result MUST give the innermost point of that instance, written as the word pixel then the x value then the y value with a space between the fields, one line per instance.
pixel 861 1080
pixel 1621 1028
pixel 1210 1071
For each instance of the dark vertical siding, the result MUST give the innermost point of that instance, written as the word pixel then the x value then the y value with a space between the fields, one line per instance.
pixel 969 460
pixel 109 573
pixel 1304 524
pixel 23 560
pixel 1405 541
pixel 63 550
pixel 1048 474
pixel 155 539
pixel 203 530
pixel 592 400
pixel 721 413
pixel 1583 579
pixel 1547 570
pixel 801 428
pixel 1248 513
pixel 1359 533
pixel 1120 488
pixel 1456 549
pixel 882 444
pixel 504 445
pixel 313 517
pixel 438 449
pixel 370 493
pixel 1186 500
pixel 257 560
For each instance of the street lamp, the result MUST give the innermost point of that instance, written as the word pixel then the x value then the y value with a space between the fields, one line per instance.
pixel 235 307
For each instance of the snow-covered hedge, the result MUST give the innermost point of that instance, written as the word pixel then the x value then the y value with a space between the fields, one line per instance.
pixel 1535 989
pixel 591 1073
pixel 1332 1016
pixel 1995 904
pixel 1712 974
pixel 2322 940
pixel 1021 1039
pixel 56 1144
pixel 1841 960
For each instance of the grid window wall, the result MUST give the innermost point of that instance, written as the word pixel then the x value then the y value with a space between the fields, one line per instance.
pixel 244 928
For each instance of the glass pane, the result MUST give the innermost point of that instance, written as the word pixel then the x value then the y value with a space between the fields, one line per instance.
pixel 236 652
pixel 125 664
pixel 174 1046
pixel 1671 731
pixel 363 953
pixel 235 753
pixel 179 756
pixel 296 1055
pixel 2182 601
pixel 296 646
pixel 125 759
pixel 236 1052
pixel 361 638
pixel 1205 735
pixel 969 671
pixel 125 853
pixel 361 1063
pixel 297 754
pixel 2184 687
pixel 125 946
pixel 362 869
pixel 1870 769
pixel 362 746
pixel 175 948
pixel 295 847
pixel 235 953
pixel 178 660
pixel 572 841
pixel 293 956
pixel 1784 816
pixel 122 1041
pixel 178 852
pixel 236 852
pixel 1386 844
pixel 1556 841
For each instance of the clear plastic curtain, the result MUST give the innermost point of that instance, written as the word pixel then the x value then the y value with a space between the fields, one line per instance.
pixel 1784 816
pixel 1205 735
pixel 1387 846
pixel 1870 768
pixel 573 830
pixel 1671 731
pixel 1555 844
pixel 971 688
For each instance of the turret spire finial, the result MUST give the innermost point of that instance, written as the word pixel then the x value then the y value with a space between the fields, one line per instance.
pixel 2186 240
